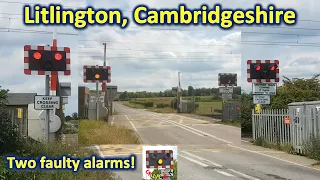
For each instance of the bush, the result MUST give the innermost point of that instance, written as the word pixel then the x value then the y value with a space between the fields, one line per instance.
pixel 312 148
pixel 10 140
pixel 162 105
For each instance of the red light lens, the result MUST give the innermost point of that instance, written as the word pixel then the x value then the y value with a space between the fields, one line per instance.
pixel 258 67
pixel 37 55
pixel 58 56
pixel 273 67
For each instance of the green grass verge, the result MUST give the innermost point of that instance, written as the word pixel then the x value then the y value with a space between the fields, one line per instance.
pixel 207 108
pixel 74 121
pixel 99 132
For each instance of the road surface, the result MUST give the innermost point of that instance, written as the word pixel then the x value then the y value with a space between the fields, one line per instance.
pixel 206 150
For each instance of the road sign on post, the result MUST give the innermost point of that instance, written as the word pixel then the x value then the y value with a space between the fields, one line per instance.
pixel 227 79
pixel 226 96
pixel 46 60
pixel 95 99
pixel 226 90
pixel 46 102
pixel 264 88
pixel 261 99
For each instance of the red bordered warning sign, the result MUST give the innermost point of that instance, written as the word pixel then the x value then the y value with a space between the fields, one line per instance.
pixel 231 75
pixel 249 79
pixel 158 152
pixel 108 68
pixel 28 71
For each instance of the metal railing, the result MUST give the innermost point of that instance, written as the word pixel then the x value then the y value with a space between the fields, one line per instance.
pixel 269 125
pixel 295 125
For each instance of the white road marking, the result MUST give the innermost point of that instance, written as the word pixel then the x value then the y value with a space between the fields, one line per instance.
pixel 202 159
pixel 191 118
pixel 224 173
pixel 243 175
pixel 196 130
pixel 181 120
pixel 133 126
pixel 283 160
pixel 220 166
pixel 195 161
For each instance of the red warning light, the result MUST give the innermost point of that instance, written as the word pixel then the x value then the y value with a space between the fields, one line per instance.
pixel 37 55
pixel 257 67
pixel 273 67
pixel 58 56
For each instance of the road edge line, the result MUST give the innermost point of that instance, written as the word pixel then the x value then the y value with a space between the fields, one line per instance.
pixel 279 159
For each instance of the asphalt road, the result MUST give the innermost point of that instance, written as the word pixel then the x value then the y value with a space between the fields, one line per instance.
pixel 206 150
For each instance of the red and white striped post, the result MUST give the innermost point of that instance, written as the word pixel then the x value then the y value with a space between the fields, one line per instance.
pixel 53 85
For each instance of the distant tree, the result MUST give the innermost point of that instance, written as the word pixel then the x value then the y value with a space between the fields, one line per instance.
pixel 190 91
pixel 68 118
pixel 74 115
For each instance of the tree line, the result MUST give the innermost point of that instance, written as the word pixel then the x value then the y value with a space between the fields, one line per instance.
pixel 170 93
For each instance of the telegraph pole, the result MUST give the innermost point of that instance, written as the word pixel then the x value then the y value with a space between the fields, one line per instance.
pixel 104 86
pixel 180 94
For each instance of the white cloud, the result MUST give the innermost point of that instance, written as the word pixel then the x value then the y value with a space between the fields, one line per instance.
pixel 141 58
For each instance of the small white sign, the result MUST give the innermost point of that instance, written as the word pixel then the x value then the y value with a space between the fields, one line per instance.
pixel 95 99
pixel 169 172
pixel 264 88
pixel 261 99
pixel 226 90
pixel 46 102
pixel 226 96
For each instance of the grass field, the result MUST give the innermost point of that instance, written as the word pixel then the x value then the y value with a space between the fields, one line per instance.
pixel 205 108
pixel 99 132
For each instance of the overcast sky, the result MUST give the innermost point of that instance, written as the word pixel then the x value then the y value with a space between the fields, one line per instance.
pixel 148 59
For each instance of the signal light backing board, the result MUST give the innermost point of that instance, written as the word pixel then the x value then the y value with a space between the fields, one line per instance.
pixel 227 79
pixel 107 80
pixel 28 71
pixel 249 79
pixel 148 158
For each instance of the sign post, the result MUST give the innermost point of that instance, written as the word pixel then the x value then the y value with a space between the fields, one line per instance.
pixel 46 60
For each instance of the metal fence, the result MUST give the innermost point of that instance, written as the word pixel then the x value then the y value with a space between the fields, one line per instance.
pixel 295 125
pixel 269 125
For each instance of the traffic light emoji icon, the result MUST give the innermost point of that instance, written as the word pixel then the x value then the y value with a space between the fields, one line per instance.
pixel 159 158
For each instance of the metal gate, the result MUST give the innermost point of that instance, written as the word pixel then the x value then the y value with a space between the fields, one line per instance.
pixel 230 111
pixel 305 123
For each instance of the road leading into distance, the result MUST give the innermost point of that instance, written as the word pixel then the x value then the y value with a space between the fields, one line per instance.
pixel 206 150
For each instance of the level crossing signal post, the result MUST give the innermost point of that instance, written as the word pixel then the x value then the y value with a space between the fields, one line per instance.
pixel 226 82
pixel 97 74
pixel 264 76
pixel 47 60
